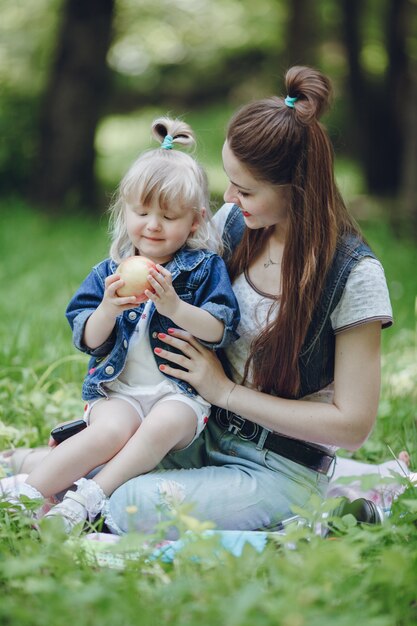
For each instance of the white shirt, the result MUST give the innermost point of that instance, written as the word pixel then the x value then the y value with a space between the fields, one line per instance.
pixel 141 373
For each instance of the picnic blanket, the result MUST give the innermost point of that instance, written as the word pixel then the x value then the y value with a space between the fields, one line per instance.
pixel 381 483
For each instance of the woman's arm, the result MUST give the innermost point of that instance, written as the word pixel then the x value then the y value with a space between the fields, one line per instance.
pixel 198 322
pixel 345 423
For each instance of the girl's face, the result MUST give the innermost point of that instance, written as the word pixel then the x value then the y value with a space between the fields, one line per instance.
pixel 262 203
pixel 158 233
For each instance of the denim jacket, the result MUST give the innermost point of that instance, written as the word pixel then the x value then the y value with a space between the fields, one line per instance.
pixel 199 278
pixel 317 356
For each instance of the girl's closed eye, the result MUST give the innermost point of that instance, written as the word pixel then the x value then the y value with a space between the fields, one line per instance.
pixel 244 194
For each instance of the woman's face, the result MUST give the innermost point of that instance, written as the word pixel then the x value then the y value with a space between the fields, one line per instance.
pixel 262 203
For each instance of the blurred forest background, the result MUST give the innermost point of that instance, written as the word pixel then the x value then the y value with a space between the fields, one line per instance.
pixel 80 82
pixel 82 79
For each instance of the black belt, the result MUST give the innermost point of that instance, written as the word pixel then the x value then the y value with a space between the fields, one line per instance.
pixel 292 449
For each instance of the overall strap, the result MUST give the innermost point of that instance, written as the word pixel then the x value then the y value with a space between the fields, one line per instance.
pixel 233 231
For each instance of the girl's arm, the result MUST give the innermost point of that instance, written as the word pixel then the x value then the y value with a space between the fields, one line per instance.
pixel 346 422
pixel 93 309
pixel 198 322
pixel 195 320
pixel 101 322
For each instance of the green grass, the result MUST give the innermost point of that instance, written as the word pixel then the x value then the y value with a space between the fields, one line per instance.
pixel 365 576
pixel 43 262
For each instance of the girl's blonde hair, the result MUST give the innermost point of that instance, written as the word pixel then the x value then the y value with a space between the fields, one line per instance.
pixel 167 176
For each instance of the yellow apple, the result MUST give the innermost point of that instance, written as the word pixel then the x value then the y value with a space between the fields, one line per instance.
pixel 134 272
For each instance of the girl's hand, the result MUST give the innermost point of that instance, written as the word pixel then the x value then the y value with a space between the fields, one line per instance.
pixel 112 304
pixel 203 369
pixel 163 296
pixel 102 321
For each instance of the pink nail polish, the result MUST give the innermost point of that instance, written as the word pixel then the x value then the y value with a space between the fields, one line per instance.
pixel 170 330
pixel 162 335
pixel 157 350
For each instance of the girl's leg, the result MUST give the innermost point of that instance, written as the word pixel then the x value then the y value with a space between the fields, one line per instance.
pixel 170 425
pixel 113 422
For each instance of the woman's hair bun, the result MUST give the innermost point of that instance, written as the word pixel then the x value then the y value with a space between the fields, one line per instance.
pixel 312 89
pixel 180 132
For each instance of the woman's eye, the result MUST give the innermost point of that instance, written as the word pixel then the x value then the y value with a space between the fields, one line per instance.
pixel 244 194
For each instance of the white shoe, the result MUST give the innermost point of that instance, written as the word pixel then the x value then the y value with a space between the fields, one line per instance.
pixel 87 502
pixel 13 495
pixel 72 511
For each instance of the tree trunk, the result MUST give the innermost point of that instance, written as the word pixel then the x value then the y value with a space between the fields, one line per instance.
pixel 385 156
pixel 72 106
pixel 302 28
pixel 377 112
pixel 357 86
pixel 408 193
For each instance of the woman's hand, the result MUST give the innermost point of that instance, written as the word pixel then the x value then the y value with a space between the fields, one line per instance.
pixel 203 369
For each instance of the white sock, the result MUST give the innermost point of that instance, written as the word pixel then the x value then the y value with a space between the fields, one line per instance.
pixel 92 495
pixel 24 489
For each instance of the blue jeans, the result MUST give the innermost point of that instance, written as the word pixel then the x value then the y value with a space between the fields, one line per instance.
pixel 227 480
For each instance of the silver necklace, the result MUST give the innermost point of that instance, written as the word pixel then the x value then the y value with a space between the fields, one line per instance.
pixel 270 261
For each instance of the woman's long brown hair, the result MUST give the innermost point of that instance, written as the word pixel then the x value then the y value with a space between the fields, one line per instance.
pixel 283 145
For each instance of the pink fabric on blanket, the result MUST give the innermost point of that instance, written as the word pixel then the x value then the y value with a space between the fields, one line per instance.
pixel 11 482
pixel 380 483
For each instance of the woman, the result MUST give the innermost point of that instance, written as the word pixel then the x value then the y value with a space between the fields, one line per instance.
pixel 304 377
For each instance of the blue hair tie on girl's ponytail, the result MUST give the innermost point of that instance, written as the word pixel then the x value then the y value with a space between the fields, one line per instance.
pixel 167 142
pixel 290 101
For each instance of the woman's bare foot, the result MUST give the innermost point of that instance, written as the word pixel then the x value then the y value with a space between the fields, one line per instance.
pixel 23 460
pixel 404 457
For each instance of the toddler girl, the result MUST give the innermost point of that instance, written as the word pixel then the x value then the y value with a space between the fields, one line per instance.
pixel 135 413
